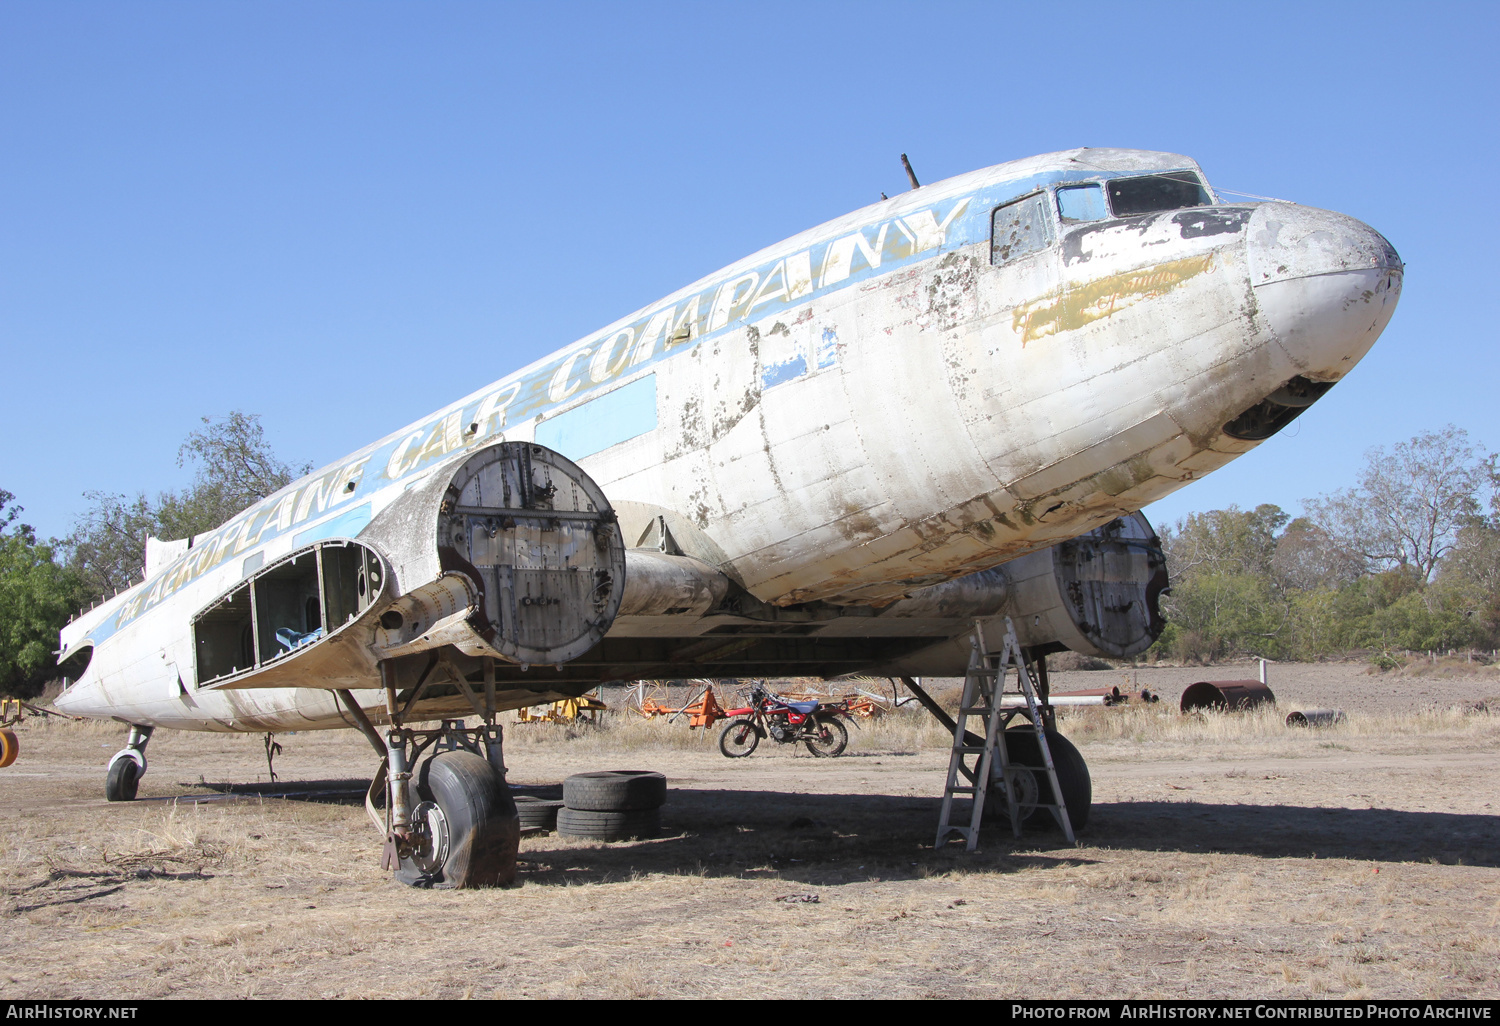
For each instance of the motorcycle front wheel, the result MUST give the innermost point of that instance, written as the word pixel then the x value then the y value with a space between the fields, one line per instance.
pixel 828 737
pixel 738 738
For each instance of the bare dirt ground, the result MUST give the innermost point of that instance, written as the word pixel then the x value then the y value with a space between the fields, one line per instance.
pixel 1227 856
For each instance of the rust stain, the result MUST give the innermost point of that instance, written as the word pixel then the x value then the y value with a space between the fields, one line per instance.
pixel 1083 304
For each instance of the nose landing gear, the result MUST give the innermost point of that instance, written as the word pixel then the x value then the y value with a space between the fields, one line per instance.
pixel 128 766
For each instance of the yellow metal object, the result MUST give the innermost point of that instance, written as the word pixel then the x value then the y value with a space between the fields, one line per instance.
pixel 14 710
pixel 9 747
pixel 569 710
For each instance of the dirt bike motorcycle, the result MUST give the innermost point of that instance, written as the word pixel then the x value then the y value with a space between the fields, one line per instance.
pixel 812 723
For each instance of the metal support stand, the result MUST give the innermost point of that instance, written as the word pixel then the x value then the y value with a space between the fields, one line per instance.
pixel 972 758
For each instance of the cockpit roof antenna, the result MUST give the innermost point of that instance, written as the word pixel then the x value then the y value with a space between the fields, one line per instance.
pixel 910 174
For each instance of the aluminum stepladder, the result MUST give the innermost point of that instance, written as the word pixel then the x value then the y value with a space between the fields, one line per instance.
pixel 984 690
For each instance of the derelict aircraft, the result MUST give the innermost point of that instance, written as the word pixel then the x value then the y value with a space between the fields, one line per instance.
pixel 831 457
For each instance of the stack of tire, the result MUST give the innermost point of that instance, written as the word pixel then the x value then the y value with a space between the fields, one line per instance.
pixel 612 805
pixel 537 813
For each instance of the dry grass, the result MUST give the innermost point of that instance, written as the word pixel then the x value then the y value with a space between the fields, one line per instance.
pixel 911 729
pixel 1443 666
pixel 85 728
pixel 615 731
pixel 1162 723
pixel 1228 856
pixel 908 729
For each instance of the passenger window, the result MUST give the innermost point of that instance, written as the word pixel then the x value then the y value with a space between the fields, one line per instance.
pixel 1019 229
pixel 1173 190
pixel 1081 203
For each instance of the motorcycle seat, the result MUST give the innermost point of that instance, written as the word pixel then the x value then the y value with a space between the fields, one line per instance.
pixel 803 707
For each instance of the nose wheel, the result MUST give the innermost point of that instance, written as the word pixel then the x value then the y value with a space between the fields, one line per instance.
pixel 127 767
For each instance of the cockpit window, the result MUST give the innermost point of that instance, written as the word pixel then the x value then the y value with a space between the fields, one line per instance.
pixel 1081 203
pixel 1020 228
pixel 1171 190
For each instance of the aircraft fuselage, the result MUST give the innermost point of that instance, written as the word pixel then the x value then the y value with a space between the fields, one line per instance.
pixel 922 390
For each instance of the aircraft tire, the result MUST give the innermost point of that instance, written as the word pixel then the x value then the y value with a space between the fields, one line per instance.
pixel 608 826
pixel 474 828
pixel 123 781
pixel 615 791
pixel 1072 777
pixel 537 812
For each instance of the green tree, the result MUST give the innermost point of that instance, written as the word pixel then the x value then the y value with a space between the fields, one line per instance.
pixel 1225 596
pixel 37 595
pixel 1469 579
pixel 107 549
pixel 1408 559
pixel 234 468
pixel 1225 541
pixel 1410 503
pixel 1307 558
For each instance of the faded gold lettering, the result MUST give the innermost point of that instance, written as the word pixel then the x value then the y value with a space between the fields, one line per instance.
pixel 603 366
pixel 396 465
pixel 560 388
pixel 493 408
pixel 1079 305
pixel 731 294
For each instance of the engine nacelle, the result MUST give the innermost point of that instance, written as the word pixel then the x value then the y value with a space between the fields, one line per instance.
pixel 1097 594
pixel 511 552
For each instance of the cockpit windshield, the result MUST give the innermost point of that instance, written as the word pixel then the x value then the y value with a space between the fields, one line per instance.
pixel 1171 190
pixel 1081 203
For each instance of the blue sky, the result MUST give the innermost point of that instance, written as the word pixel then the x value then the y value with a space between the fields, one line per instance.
pixel 342 215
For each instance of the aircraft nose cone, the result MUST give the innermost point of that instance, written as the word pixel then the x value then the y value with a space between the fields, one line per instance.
pixel 1325 283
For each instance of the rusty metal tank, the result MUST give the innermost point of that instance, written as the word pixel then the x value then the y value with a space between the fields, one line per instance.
pixel 1226 695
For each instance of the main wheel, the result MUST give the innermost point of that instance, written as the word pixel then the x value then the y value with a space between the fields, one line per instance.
pixel 1072 776
pixel 832 737
pixel 467 826
pixel 123 780
pixel 738 738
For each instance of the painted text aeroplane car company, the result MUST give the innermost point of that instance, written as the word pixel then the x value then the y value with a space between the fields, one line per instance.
pixel 831 457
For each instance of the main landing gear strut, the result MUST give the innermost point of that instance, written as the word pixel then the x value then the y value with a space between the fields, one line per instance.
pixel 448 817
pixel 128 766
